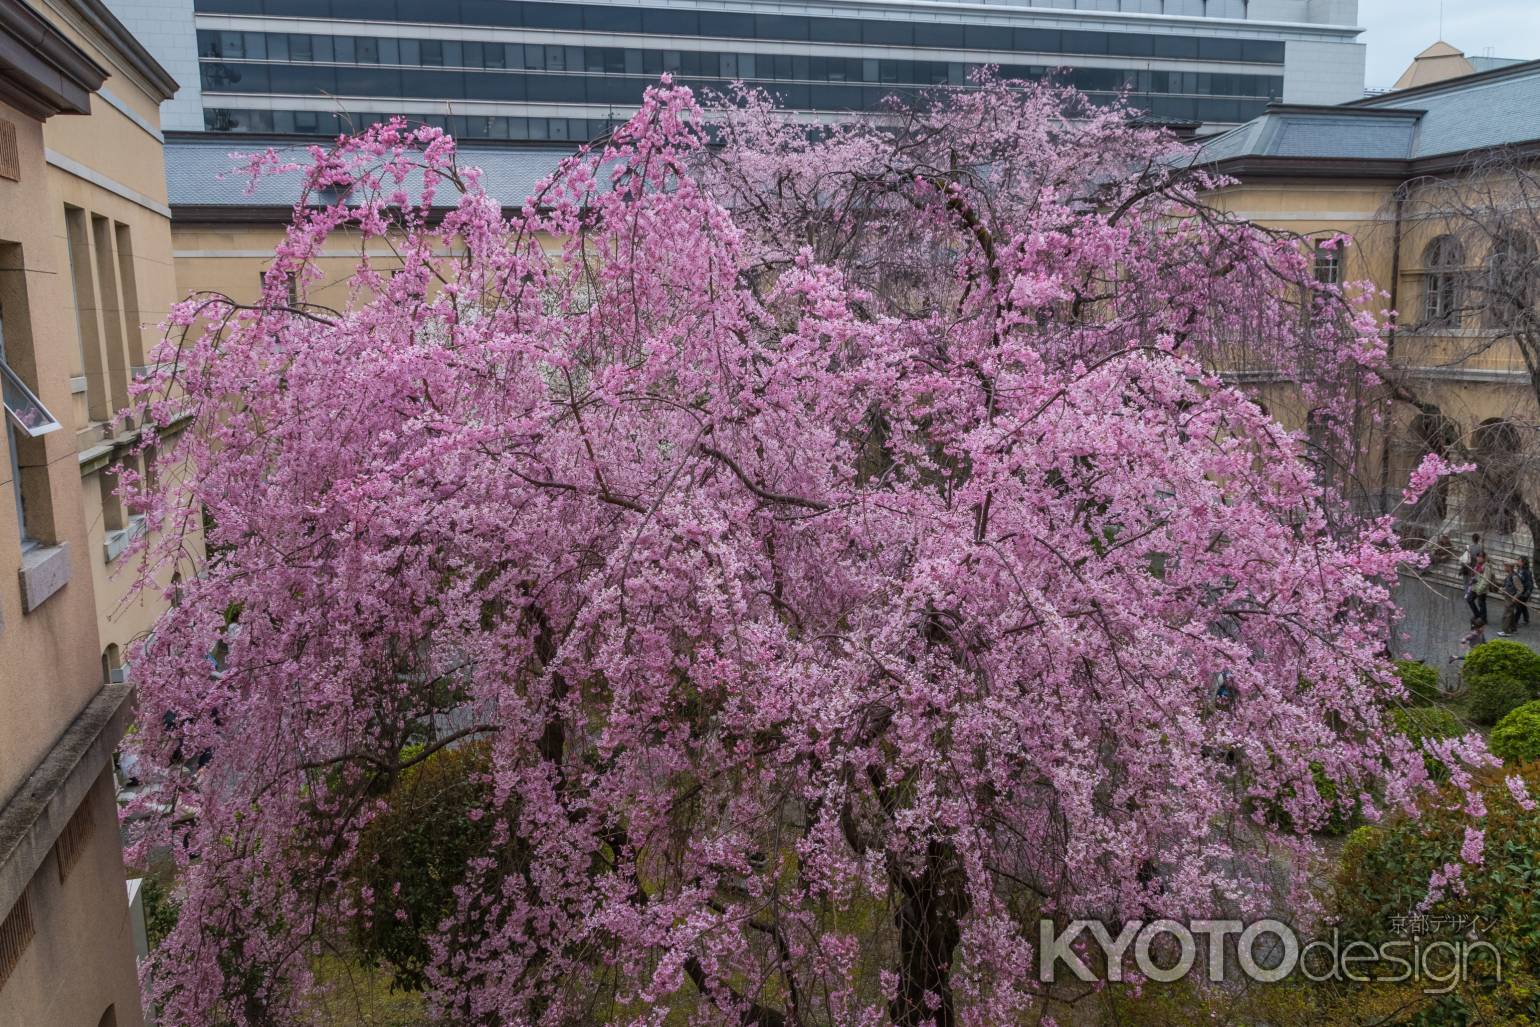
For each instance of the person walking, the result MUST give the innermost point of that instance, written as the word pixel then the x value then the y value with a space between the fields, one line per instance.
pixel 1526 588
pixel 1510 589
pixel 1474 637
pixel 1482 582
pixel 1474 553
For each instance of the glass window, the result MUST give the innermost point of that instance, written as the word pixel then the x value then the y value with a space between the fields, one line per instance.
pixel 1085 42
pixel 430 53
pixel 834 30
pixel 1123 44
pixel 1038 40
pixel 1220 49
pixel 553 16
pixel 985 37
pixel 941 35
pixel 492 12
pixel 322 46
pixel 732 26
pixel 342 48
pixel 887 33
pixel 1176 47
pixel 1328 262
pixel 366 50
pixel 1264 51
pixel 256 46
pixel 453 58
pixel 390 51
pixel 780 26
pixel 277 46
pixel 471 55
pixel 671 23
pixel 26 411
pixel 633 62
pixel 614 60
pixel 727 65
pixel 607 18
pixel 232 45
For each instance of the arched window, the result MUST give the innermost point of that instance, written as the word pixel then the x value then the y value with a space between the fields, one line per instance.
pixel 1435 434
pixel 1443 265
pixel 112 664
pixel 1510 281
pixel 1499 453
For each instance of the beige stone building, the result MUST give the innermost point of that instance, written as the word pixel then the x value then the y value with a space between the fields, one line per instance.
pixel 224 236
pixel 1414 178
pixel 85 260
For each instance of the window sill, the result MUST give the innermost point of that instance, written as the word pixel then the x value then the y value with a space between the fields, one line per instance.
pixel 118 540
pixel 44 571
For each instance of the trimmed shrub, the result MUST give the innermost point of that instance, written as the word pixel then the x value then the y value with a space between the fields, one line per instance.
pixel 1493 696
pixel 1517 736
pixel 1503 658
pixel 1385 873
pixel 1421 681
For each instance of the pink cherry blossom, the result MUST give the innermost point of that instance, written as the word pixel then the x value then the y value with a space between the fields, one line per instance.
pixel 843 540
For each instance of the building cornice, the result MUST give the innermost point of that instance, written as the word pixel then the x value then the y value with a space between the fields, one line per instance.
pixel 32 818
pixel 106 24
pixel 1251 167
pixel 42 73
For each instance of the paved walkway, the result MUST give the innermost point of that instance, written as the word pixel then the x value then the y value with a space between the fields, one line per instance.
pixel 1437 618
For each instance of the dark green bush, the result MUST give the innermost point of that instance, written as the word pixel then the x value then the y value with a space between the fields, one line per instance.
pixel 1493 696
pixel 412 856
pixel 1421 681
pixel 1504 658
pixel 1517 736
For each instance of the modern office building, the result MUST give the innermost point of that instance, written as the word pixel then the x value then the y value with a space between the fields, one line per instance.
pixel 506 69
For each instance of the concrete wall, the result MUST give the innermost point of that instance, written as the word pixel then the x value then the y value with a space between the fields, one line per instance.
pixel 79 960
pixel 1324 72
pixel 167 30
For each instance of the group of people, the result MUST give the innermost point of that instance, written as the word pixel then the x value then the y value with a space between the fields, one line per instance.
pixel 1513 585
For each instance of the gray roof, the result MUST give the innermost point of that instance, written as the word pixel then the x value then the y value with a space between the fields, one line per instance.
pixel 1496 108
pixel 199 173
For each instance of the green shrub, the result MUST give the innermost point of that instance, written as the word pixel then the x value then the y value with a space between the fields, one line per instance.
pixel 1422 723
pixel 1493 696
pixel 1384 874
pixel 1421 681
pixel 1517 736
pixel 414 854
pixel 1503 658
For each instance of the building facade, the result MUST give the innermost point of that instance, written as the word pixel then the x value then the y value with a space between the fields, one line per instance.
pixel 85 261
pixel 1437 187
pixel 512 70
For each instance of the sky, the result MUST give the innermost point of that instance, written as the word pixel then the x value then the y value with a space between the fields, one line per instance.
pixel 1398 30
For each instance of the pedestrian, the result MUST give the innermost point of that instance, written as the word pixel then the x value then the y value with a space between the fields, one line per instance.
pixel 1474 637
pixel 1526 588
pixel 1470 592
pixel 1510 592
pixel 1484 581
pixel 1474 553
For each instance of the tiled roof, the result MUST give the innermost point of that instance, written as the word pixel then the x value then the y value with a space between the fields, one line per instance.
pixel 1491 109
pixel 199 173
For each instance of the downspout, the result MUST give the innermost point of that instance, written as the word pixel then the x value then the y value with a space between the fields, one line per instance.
pixel 1390 335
